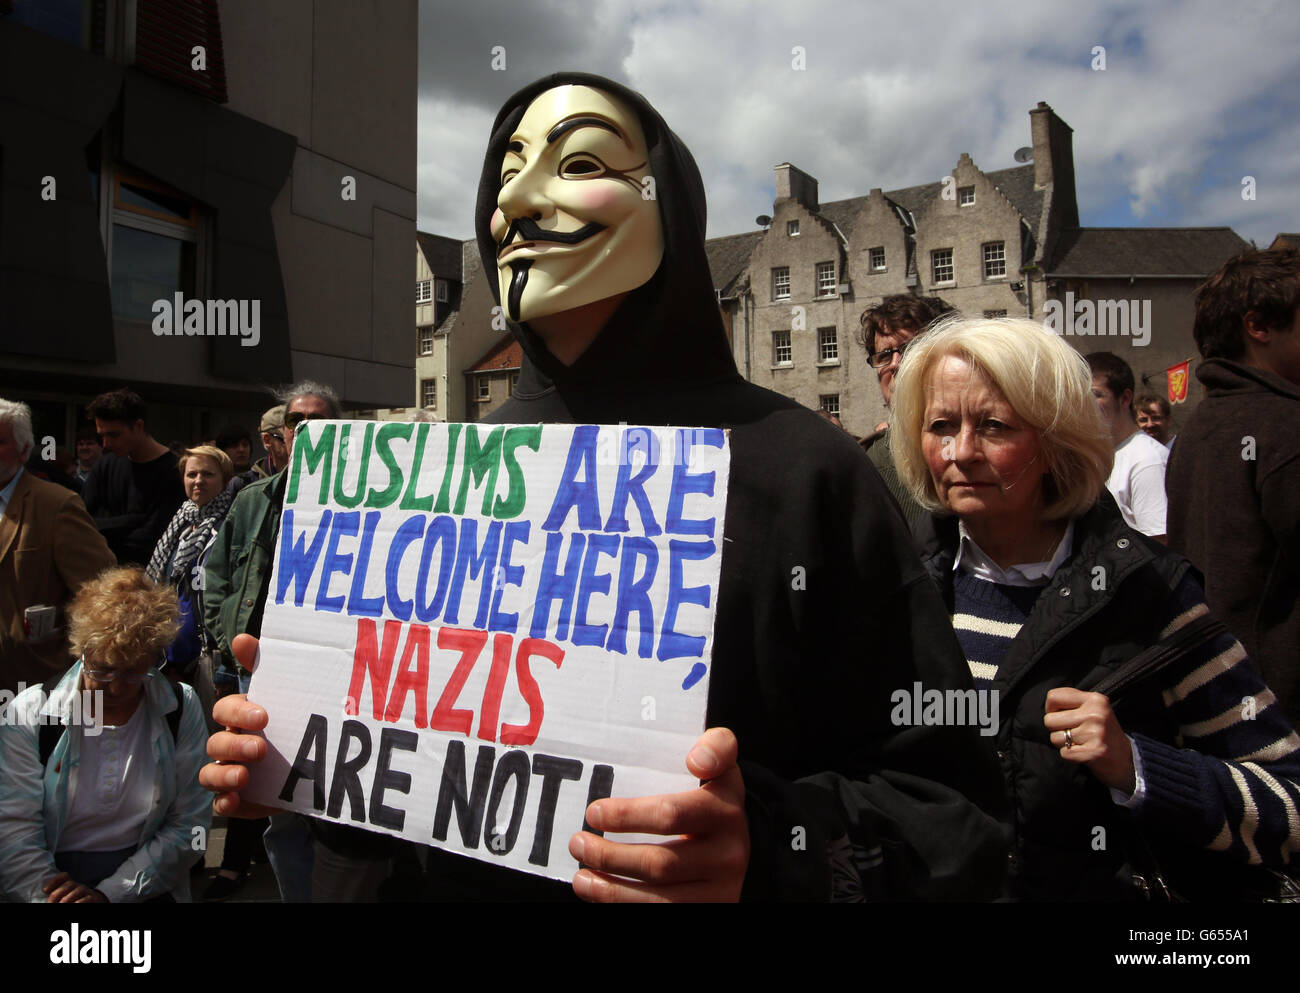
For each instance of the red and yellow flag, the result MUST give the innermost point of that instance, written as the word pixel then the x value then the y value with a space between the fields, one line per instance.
pixel 1177 376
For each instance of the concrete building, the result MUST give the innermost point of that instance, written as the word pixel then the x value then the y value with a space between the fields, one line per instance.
pixel 262 155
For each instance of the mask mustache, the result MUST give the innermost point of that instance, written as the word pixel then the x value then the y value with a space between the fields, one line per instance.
pixel 528 230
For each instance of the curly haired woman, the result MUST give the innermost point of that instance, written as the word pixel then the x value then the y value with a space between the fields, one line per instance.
pixel 99 792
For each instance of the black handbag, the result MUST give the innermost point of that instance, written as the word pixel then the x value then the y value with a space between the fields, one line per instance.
pixel 1189 876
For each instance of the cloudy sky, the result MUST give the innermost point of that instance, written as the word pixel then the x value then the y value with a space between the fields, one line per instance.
pixel 1194 96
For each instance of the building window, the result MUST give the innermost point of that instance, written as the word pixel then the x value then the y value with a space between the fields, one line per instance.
pixel 830 402
pixel 792 228
pixel 782 354
pixel 426 339
pixel 428 393
pixel 941 265
pixel 67 20
pixel 484 388
pixel 155 246
pixel 781 283
pixel 825 279
pixel 424 291
pixel 995 259
pixel 828 346
pixel 878 260
pixel 440 290
pixel 966 196
pixel 991 314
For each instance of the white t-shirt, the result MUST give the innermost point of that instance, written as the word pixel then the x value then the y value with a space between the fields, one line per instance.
pixel 1137 481
pixel 115 784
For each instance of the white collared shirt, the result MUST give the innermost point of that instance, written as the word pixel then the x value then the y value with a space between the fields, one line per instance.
pixel 973 560
pixel 7 491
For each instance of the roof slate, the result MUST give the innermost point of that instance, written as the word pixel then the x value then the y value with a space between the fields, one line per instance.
pixel 729 257
pixel 1016 184
pixel 1145 251
pixel 469 268
pixel 505 354
pixel 442 254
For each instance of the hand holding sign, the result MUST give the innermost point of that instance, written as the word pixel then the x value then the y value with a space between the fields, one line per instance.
pixel 708 865
pixel 227 775
pixel 467 622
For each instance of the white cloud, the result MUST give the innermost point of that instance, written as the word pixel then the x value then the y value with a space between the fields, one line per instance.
pixel 892 95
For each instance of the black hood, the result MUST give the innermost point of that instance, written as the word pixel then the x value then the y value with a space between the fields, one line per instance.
pixel 670 328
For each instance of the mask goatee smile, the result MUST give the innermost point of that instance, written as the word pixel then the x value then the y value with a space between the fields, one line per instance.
pixel 529 231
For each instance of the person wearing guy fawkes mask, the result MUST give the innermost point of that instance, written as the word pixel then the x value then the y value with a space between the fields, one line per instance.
pixel 609 294
pixel 617 321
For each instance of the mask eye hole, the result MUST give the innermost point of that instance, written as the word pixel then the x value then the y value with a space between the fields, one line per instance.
pixel 581 167
pixel 508 175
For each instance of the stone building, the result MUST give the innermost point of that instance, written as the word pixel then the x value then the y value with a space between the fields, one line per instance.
pixel 1000 243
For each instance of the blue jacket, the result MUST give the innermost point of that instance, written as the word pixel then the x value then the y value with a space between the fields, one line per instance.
pixel 34 802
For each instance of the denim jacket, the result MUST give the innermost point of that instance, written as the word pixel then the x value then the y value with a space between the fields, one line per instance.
pixel 34 802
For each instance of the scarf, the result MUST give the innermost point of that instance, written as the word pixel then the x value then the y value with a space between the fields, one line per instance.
pixel 186 536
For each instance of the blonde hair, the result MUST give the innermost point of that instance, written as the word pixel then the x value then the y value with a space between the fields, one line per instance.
pixel 212 452
pixel 121 617
pixel 1046 382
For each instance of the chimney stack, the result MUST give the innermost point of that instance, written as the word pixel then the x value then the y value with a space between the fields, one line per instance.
pixel 792 183
pixel 1054 161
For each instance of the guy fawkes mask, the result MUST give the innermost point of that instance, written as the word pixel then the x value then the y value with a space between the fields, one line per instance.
pixel 571 224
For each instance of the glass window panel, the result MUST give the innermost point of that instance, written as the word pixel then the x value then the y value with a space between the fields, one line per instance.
pixel 62 19
pixel 148 267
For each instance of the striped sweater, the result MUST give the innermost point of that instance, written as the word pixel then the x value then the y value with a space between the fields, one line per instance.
pixel 1231 779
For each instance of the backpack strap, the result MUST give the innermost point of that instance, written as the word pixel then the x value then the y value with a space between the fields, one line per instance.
pixel 1185 640
pixel 174 718
pixel 48 735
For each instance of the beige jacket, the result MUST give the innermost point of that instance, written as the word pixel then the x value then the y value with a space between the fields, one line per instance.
pixel 49 547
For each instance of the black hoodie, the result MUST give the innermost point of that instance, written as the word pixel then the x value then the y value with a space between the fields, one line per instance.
pixel 823 607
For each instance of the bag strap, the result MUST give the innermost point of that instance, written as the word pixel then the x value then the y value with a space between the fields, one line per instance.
pixel 49 734
pixel 1147 663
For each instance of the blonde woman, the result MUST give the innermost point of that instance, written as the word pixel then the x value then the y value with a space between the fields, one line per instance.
pixel 1192 773
pixel 101 802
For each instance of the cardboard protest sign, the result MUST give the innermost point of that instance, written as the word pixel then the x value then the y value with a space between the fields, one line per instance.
pixel 474 630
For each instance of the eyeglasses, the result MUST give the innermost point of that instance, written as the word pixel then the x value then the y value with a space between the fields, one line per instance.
pixel 292 420
pixel 276 436
pixel 112 675
pixel 882 358
pixel 129 677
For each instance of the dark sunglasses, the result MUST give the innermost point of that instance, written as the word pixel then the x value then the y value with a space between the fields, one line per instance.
pixel 291 421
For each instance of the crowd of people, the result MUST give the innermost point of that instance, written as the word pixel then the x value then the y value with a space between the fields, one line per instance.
pixel 1021 526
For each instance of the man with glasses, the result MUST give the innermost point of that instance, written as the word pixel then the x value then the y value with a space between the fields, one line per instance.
pixel 887 328
pixel 277 452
